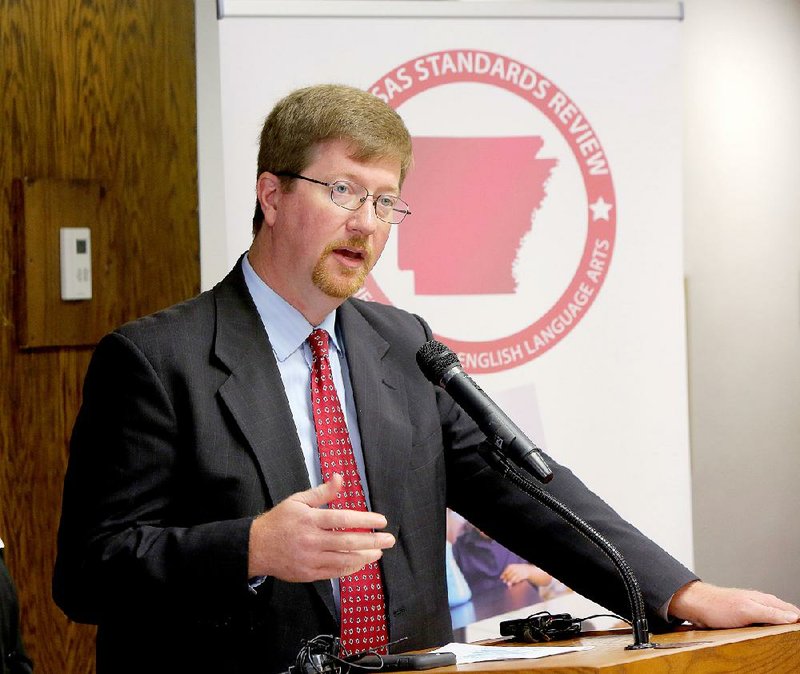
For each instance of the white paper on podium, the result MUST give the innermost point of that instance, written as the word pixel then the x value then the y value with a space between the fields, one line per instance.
pixel 467 653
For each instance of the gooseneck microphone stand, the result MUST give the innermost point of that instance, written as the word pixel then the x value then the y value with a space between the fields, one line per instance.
pixel 641 635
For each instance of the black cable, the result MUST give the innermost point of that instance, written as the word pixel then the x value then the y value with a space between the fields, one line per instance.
pixel 606 615
pixel 324 654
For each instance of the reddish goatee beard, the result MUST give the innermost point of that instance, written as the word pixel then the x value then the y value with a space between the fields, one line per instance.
pixel 345 281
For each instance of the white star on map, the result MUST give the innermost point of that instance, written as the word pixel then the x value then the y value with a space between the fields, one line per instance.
pixel 600 209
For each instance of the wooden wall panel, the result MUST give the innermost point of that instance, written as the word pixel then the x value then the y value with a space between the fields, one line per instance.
pixel 40 208
pixel 99 90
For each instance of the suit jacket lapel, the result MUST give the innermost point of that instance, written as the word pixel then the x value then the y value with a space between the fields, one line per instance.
pixel 383 417
pixel 255 397
pixel 254 392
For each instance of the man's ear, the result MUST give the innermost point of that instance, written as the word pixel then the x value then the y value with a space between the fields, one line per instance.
pixel 268 192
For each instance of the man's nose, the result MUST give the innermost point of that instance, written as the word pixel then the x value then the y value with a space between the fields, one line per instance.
pixel 364 220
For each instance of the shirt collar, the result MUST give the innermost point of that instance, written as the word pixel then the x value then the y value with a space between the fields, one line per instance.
pixel 287 328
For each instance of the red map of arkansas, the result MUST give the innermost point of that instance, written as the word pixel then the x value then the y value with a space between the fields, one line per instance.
pixel 472 202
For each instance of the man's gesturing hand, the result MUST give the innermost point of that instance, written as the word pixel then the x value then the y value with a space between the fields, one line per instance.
pixel 708 606
pixel 297 539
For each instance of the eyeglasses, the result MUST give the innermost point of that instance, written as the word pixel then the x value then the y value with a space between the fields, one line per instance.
pixel 352 196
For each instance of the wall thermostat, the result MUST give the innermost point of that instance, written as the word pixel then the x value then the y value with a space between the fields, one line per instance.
pixel 76 263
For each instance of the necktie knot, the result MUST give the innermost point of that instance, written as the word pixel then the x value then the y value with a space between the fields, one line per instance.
pixel 318 341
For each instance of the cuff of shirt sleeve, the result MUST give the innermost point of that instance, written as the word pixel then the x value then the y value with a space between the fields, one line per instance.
pixel 254 583
pixel 663 611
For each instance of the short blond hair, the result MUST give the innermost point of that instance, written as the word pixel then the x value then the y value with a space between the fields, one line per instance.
pixel 323 112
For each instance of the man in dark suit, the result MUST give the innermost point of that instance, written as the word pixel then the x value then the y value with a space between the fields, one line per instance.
pixel 194 531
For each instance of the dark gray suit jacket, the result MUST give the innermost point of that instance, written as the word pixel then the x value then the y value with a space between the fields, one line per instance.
pixel 185 435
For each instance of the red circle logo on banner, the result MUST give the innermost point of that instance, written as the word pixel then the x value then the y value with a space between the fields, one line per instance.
pixel 491 211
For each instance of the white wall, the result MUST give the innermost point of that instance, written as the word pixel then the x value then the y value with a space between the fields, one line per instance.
pixel 213 241
pixel 742 238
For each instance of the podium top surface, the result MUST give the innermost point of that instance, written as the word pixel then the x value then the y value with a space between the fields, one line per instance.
pixel 773 649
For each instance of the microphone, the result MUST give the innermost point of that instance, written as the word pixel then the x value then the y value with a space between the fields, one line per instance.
pixel 443 368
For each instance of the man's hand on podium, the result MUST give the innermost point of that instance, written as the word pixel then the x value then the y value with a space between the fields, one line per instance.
pixel 711 607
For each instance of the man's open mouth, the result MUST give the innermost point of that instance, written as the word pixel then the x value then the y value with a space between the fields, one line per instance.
pixel 354 254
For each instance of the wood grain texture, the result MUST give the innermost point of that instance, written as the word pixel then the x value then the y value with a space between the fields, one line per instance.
pixel 750 650
pixel 103 91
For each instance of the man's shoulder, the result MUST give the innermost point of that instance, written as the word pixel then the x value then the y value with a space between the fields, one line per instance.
pixel 189 316
pixel 389 321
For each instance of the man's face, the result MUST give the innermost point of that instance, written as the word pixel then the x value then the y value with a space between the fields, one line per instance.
pixel 320 252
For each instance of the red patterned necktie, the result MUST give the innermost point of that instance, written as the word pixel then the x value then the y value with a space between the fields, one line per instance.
pixel 363 609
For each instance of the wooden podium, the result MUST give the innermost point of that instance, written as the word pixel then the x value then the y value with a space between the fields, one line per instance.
pixel 769 649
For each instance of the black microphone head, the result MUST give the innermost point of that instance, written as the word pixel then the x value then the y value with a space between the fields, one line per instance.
pixel 434 359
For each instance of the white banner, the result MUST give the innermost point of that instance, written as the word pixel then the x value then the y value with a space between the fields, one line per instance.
pixel 545 241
